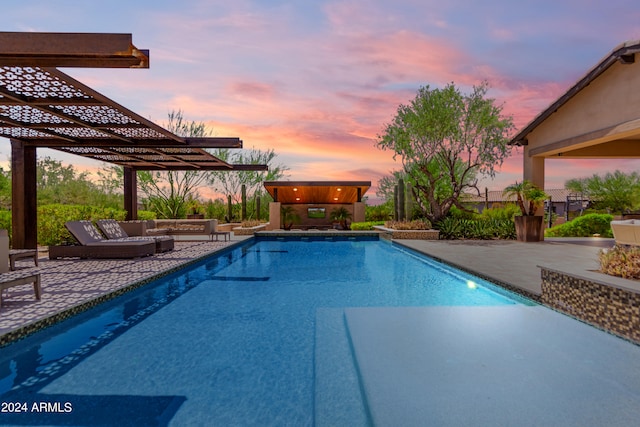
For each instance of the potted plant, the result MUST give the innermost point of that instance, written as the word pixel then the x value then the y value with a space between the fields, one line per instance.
pixel 289 217
pixel 529 197
pixel 341 215
pixel 195 209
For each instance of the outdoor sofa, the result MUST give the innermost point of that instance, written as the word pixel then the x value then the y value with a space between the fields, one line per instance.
pixel 113 231
pixel 93 245
pixel 626 232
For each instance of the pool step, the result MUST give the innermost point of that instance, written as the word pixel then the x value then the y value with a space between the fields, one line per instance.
pixel 338 399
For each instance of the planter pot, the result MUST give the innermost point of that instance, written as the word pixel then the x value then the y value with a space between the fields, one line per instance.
pixel 529 228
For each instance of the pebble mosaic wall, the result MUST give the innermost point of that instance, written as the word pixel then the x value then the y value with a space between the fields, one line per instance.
pixel 606 307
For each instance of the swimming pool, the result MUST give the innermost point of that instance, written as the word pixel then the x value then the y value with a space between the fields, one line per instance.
pixel 254 336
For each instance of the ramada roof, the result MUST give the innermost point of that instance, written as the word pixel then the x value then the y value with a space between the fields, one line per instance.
pixel 317 192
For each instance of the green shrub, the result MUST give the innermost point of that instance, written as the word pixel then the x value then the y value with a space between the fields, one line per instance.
pixel 503 228
pixel 583 226
pixel 51 219
pixel 507 212
pixel 452 228
pixel 367 225
pixel 379 212
pixel 621 261
pixel 146 215
pixel 5 221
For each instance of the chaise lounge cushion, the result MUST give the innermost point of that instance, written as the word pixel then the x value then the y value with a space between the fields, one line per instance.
pixel 93 244
pixel 112 229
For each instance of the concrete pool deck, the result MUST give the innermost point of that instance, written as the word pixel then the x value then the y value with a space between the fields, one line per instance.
pixel 73 285
pixel 512 263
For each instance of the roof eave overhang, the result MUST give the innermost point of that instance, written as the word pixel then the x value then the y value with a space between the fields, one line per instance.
pixel 624 53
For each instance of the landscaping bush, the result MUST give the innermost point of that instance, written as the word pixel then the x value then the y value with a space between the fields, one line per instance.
pixel 146 215
pixel 456 228
pixel 507 212
pixel 583 226
pixel 422 224
pixel 621 261
pixel 379 212
pixel 367 225
pixel 5 221
pixel 51 219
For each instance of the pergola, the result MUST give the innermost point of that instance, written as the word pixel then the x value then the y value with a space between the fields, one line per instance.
pixel 41 106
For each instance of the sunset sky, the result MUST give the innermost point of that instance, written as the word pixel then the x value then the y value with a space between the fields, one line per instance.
pixel 318 80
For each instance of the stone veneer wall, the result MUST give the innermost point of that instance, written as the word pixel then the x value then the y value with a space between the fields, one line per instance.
pixel 607 307
pixel 248 231
pixel 409 234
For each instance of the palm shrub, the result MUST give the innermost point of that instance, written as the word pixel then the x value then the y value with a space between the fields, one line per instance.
pixel 583 226
pixel 341 215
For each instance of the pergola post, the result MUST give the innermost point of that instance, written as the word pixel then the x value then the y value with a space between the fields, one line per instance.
pixel 24 206
pixel 130 193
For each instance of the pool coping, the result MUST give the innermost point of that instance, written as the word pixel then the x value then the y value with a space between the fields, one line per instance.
pixel 34 326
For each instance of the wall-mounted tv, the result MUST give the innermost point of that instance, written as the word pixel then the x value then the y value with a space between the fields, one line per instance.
pixel 316 213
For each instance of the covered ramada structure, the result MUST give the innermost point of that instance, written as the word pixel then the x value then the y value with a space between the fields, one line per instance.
pixel 313 201
pixel 42 107
pixel 597 118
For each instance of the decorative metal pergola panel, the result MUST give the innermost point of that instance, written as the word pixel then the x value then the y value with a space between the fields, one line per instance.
pixel 44 107
pixel 41 106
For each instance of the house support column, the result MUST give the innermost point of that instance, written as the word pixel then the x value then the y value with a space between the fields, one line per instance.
pixel 274 216
pixel 533 168
pixel 130 193
pixel 358 212
pixel 24 205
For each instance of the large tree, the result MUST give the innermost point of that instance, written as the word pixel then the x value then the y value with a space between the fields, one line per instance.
pixel 230 183
pixel 445 140
pixel 617 191
pixel 168 193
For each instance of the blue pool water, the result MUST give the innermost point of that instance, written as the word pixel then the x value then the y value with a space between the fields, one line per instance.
pixel 254 336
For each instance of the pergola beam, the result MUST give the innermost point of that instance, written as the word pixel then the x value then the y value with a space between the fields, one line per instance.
pixel 95 50
pixel 212 142
pixel 230 168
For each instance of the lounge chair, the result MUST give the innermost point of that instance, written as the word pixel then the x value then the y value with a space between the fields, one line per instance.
pixel 114 231
pixel 22 277
pixel 94 245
